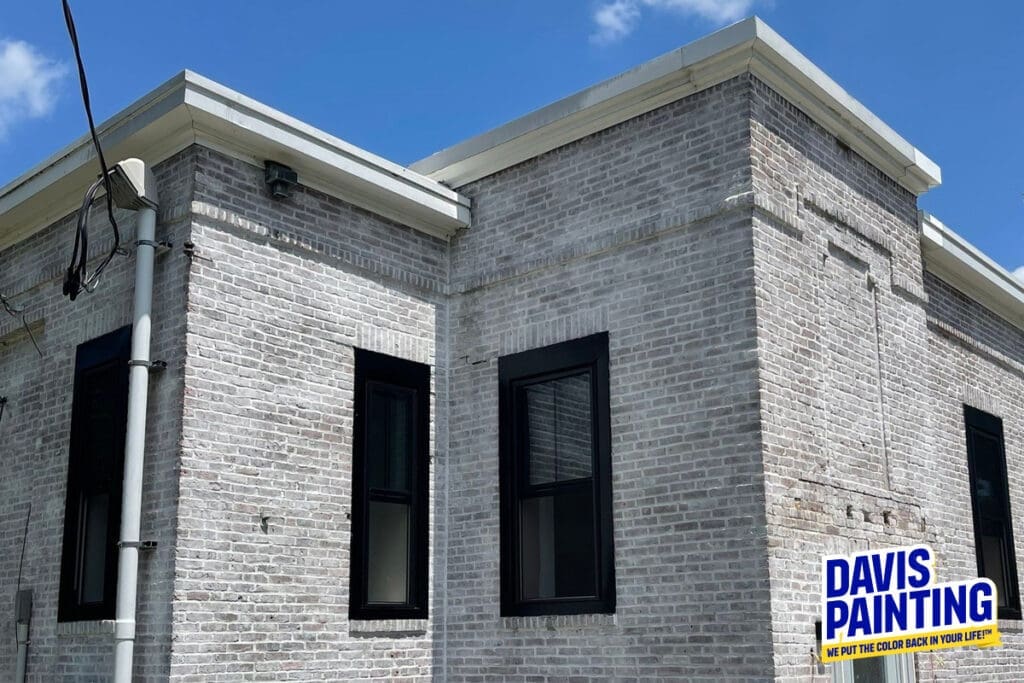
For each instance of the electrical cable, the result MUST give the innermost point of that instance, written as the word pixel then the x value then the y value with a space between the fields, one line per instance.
pixel 76 274
pixel 76 278
pixel 24 542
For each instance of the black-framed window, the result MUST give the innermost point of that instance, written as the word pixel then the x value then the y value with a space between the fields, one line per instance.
pixel 555 443
pixel 990 498
pixel 389 488
pixel 92 509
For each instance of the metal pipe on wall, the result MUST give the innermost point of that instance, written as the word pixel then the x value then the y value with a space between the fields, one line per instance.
pixel 138 192
pixel 22 618
pixel 134 450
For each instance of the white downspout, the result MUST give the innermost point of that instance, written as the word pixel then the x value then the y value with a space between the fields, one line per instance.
pixel 22 614
pixel 135 438
pixel 19 667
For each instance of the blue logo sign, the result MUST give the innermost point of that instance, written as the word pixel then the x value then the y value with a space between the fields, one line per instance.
pixel 882 602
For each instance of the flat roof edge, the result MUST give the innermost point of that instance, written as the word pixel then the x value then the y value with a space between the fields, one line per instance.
pixel 37 177
pixel 638 77
pixel 238 102
pixel 190 109
pixel 953 258
pixel 747 46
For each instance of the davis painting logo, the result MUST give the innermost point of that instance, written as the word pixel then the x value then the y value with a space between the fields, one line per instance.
pixel 883 602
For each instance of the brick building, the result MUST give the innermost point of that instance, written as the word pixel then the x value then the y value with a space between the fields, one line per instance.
pixel 585 397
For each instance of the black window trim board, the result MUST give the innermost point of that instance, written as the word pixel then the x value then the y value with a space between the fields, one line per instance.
pixel 111 349
pixel 375 368
pixel 992 426
pixel 550 362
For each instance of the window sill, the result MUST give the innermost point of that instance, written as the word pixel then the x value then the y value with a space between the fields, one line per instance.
pixel 556 622
pixel 387 628
pixel 1010 625
pixel 86 628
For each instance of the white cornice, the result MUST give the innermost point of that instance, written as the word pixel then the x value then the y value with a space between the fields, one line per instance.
pixel 189 109
pixel 958 262
pixel 748 46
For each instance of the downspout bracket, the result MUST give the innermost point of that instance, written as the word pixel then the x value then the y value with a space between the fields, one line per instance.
pixel 159 246
pixel 152 365
pixel 141 545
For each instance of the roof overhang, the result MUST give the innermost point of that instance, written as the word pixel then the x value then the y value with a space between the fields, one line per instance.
pixel 190 109
pixel 961 264
pixel 748 46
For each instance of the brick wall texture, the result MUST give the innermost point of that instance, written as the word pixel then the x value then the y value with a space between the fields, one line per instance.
pixel 865 363
pixel 35 430
pixel 785 382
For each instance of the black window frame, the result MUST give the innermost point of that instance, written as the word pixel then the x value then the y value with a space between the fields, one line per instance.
pixel 375 368
pixel 99 355
pixel 976 420
pixel 520 370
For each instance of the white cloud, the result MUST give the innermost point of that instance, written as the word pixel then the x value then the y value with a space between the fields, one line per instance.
pixel 1019 273
pixel 617 19
pixel 27 83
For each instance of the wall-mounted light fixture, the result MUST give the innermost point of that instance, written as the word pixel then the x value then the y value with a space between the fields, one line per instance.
pixel 280 179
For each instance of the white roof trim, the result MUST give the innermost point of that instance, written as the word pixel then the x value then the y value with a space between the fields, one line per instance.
pixel 961 264
pixel 189 109
pixel 748 46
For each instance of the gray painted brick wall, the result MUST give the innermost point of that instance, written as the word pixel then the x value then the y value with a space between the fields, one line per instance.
pixel 34 433
pixel 862 383
pixel 785 382
pixel 976 358
pixel 290 288
pixel 625 231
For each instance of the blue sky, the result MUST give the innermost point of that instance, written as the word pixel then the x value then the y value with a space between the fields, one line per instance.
pixel 404 79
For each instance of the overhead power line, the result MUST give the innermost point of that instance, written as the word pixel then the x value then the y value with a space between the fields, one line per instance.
pixel 77 278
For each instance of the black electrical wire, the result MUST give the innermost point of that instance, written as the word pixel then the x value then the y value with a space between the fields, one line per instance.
pixel 76 277
pixel 76 273
pixel 24 542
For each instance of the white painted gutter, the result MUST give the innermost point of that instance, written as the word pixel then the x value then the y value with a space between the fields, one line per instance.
pixel 190 109
pixel 958 262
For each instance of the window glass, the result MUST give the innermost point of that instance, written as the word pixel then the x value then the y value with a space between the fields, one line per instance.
pixel 94 547
pixel 885 669
pixel 390 440
pixel 558 545
pixel 555 461
pixel 870 670
pixel 990 500
pixel 559 429
pixel 389 488
pixel 993 554
pixel 99 408
pixel 388 548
